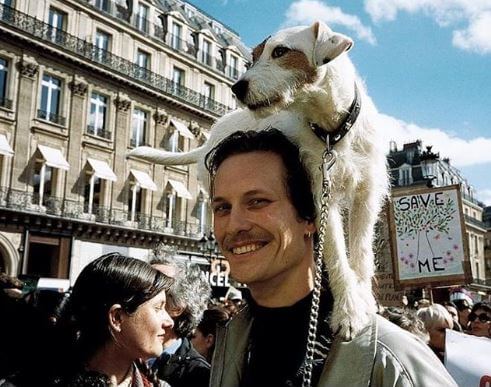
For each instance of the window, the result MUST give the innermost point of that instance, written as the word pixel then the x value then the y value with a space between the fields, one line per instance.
pixel 3 84
pixel 138 128
pixel 176 36
pixel 42 183
pixel 233 71
pixel 206 53
pixel 142 18
pixel 57 22
pixel 209 94
pixel 178 76
pixel 102 42
pixel 135 202
pixel 50 99
pixel 202 212
pixel 405 177
pixel 102 5
pixel 98 116
pixel 8 3
pixel 176 142
pixel 92 193
pixel 143 59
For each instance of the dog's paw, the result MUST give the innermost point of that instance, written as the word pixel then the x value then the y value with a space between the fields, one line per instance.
pixel 350 316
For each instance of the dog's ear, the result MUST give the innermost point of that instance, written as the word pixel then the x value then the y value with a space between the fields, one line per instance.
pixel 328 44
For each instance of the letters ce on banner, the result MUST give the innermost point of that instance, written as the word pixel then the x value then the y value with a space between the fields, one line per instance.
pixel 427 236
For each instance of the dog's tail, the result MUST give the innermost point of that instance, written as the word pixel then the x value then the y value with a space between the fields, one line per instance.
pixel 157 156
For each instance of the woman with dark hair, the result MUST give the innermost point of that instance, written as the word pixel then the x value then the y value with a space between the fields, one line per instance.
pixel 480 320
pixel 114 321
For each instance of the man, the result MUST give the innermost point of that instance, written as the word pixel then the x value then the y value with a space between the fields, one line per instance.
pixel 180 364
pixel 264 223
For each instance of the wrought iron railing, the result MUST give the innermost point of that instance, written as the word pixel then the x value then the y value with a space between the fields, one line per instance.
pixel 70 43
pixel 51 117
pixel 6 103
pixel 475 222
pixel 99 132
pixel 28 202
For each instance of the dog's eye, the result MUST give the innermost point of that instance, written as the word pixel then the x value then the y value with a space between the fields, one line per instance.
pixel 279 51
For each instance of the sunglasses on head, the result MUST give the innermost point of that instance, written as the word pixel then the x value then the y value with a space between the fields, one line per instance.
pixel 483 317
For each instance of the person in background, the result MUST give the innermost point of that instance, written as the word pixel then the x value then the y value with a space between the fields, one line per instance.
pixel 480 320
pixel 180 364
pixel 204 335
pixel 407 320
pixel 452 309
pixel 115 317
pixel 463 308
pixel 436 319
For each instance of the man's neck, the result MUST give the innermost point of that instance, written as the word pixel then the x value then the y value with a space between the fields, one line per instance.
pixel 284 290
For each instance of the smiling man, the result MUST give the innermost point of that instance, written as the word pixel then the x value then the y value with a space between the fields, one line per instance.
pixel 264 222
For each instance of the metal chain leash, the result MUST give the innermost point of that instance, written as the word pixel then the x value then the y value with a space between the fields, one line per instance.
pixel 328 160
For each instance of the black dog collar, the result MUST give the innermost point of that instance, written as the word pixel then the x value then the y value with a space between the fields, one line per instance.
pixel 338 134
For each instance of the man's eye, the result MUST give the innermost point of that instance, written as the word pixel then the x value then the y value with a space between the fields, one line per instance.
pixel 220 209
pixel 279 52
pixel 258 202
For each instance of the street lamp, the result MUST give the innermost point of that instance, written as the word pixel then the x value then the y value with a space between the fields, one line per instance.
pixel 208 245
pixel 429 161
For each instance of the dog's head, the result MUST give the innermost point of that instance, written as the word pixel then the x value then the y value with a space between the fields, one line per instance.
pixel 285 62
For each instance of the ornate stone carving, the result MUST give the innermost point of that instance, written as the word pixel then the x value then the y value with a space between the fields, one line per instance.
pixel 194 128
pixel 78 88
pixel 161 118
pixel 27 69
pixel 122 104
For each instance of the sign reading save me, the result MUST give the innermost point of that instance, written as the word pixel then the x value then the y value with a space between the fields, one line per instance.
pixel 427 236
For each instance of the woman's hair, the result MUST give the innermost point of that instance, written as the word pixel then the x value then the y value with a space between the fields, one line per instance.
pixel 407 320
pixel 435 315
pixel 108 280
pixel 483 306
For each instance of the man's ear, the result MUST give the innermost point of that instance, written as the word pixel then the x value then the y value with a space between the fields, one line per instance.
pixel 328 44
pixel 210 340
pixel 116 316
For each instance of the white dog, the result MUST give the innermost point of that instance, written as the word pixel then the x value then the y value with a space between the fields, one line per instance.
pixel 301 79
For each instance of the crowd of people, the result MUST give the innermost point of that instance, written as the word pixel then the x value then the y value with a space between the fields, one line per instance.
pixel 127 322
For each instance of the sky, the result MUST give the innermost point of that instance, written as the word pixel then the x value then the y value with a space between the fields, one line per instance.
pixel 426 65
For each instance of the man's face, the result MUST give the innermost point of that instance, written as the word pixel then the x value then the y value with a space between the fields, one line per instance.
pixel 256 225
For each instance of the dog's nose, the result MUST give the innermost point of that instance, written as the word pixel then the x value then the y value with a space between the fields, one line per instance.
pixel 240 89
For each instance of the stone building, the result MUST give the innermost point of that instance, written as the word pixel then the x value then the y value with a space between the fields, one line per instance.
pixel 405 167
pixel 82 82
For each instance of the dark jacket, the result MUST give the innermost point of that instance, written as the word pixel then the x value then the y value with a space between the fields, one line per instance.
pixel 185 368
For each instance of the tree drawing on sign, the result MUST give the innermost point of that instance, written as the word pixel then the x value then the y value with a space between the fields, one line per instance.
pixel 420 215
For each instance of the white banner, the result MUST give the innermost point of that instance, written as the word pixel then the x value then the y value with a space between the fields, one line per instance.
pixel 468 359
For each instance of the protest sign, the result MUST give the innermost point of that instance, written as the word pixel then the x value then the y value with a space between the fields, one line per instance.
pixel 468 359
pixel 427 237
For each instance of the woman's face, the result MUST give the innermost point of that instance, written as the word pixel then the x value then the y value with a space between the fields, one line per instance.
pixel 480 323
pixel 143 331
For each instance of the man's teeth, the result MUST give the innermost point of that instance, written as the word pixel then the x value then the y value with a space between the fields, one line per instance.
pixel 246 249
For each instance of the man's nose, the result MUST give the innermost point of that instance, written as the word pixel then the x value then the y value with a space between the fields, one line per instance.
pixel 167 322
pixel 238 220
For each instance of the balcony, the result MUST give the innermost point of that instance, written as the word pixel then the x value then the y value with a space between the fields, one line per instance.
pixel 155 31
pixel 28 202
pixel 28 25
pixel 475 222
pixel 99 132
pixel 6 103
pixel 51 117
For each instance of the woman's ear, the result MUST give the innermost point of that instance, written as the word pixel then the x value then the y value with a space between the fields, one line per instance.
pixel 116 316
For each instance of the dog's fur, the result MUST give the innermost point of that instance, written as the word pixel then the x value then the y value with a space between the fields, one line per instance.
pixel 310 80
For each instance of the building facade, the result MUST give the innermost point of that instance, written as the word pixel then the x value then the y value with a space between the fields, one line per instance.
pixel 406 170
pixel 82 82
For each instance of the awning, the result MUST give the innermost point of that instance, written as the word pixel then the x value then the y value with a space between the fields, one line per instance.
pixel 5 148
pixel 181 128
pixel 53 157
pixel 102 169
pixel 144 180
pixel 180 189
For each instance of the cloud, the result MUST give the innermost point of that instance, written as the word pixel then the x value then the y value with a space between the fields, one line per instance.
pixel 484 195
pixel 308 11
pixel 475 14
pixel 462 153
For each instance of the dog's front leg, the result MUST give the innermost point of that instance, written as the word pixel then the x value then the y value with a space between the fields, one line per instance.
pixel 349 315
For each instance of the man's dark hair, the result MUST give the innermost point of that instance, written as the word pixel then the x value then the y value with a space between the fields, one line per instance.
pixel 297 179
